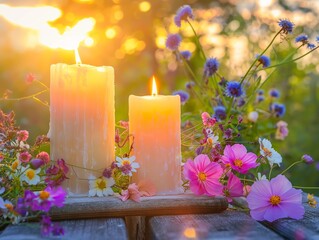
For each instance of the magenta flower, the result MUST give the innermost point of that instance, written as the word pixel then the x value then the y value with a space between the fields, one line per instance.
pixel 22 135
pixel 56 174
pixel 44 156
pixel 234 188
pixel 237 158
pixel 48 198
pixel 203 176
pixel 208 121
pixel 25 157
pixel 274 199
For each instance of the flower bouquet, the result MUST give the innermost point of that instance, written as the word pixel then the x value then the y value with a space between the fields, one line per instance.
pixel 226 147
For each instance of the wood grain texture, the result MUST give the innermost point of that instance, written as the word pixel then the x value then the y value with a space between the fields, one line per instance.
pixel 76 208
pixel 306 228
pixel 112 228
pixel 227 225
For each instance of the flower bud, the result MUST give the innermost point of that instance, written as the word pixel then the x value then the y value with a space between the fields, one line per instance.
pixel 308 159
pixel 36 163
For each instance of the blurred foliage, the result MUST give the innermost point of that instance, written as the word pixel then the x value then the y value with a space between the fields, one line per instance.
pixel 231 30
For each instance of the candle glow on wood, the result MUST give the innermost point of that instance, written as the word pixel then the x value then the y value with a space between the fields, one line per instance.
pixel 82 120
pixel 155 125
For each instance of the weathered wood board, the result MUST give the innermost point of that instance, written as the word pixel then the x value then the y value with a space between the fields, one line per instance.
pixel 306 228
pixel 112 228
pixel 227 225
pixel 76 208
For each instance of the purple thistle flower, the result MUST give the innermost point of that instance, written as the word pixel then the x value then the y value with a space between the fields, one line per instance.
pixel 311 45
pixel 278 109
pixel 107 173
pixel 189 85
pixel 186 54
pixel 274 93
pixel 182 14
pixel 184 96
pixel 307 158
pixel 211 67
pixel 286 26
pixel 264 60
pixel 219 113
pixel 274 199
pixel 234 89
pixel 173 41
pixel 303 38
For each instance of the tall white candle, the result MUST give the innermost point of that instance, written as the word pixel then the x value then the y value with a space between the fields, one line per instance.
pixel 155 124
pixel 82 122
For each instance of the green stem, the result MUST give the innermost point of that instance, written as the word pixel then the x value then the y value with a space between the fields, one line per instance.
pixel 251 66
pixel 295 163
pixel 23 98
pixel 314 188
pixel 269 176
pixel 197 40
pixel 247 180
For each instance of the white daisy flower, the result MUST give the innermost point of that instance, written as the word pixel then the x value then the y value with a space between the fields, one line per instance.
pixel 20 144
pixel 267 151
pixel 127 165
pixel 101 187
pixel 30 175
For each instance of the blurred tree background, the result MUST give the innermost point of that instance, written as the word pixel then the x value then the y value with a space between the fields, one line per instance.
pixel 130 36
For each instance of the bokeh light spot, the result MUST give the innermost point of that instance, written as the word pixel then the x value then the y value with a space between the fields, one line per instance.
pixel 144 6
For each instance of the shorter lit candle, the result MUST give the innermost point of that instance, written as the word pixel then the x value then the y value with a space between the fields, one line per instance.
pixel 155 125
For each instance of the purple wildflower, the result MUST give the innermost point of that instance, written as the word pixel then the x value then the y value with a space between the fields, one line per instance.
pixel 56 174
pixel 264 60
pixel 186 54
pixel 219 113
pixel 311 45
pixel 228 133
pixel 274 93
pixel 241 102
pixel 234 89
pixel 303 38
pixel 199 150
pixel 278 109
pixel 107 173
pixel 260 92
pixel 48 198
pixel 173 41
pixel 182 14
pixel 211 67
pixel 286 26
pixel 36 163
pixel 274 199
pixel 189 85
pixel 317 39
pixel 260 98
pixel 307 158
pixel 57 230
pixel 184 96
pixel 46 226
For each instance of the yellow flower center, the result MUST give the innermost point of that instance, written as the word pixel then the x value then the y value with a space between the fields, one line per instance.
pixel 267 152
pixel 9 206
pixel 202 176
pixel 100 184
pixel 275 200
pixel 44 195
pixel 30 174
pixel 126 162
pixel 14 165
pixel 238 163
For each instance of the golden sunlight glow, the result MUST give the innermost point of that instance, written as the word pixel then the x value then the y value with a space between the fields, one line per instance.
pixel 144 6
pixel 77 56
pixel 190 233
pixel 89 42
pixel 38 18
pixel 265 3
pixel 154 88
pixel 110 33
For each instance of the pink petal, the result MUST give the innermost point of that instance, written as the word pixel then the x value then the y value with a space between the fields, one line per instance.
pixel 189 168
pixel 239 150
pixel 225 159
pixel 280 185
pixel 124 195
pixel 235 186
pixel 292 196
pixel 228 153
pixel 214 170
pixel 295 211
pixel 197 188
pixel 201 161
pixel 250 158
pixel 213 188
pixel 255 201
pixel 258 213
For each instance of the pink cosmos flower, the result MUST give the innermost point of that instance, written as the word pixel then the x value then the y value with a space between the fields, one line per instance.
pixel 48 198
pixel 208 121
pixel 25 157
pixel 136 191
pixel 274 199
pixel 282 130
pixel 22 135
pixel 234 188
pixel 203 176
pixel 237 158
pixel 44 156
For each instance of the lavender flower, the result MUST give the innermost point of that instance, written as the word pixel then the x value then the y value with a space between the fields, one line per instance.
pixel 182 14
pixel 219 113
pixel 186 54
pixel 286 26
pixel 234 89
pixel 264 60
pixel 184 96
pixel 173 41
pixel 307 158
pixel 211 67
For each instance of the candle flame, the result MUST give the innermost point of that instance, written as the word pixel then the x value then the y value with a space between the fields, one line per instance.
pixel 190 233
pixel 154 88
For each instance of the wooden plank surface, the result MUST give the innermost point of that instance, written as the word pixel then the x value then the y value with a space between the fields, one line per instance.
pixel 112 228
pixel 306 228
pixel 227 225
pixel 76 208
